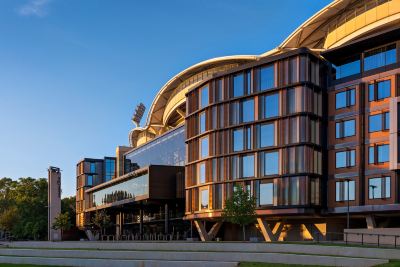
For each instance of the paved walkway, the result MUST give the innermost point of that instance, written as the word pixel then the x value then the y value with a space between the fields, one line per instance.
pixel 195 254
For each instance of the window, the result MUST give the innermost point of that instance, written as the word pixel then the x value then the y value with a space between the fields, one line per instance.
pixel 345 128
pixel 378 91
pixel 380 57
pixel 345 190
pixel 238 85
pixel 271 105
pixel 267 135
pixel 271 163
pixel 267 78
pixel 92 167
pixel 247 110
pixel 378 154
pixel 219 91
pixel 248 166
pixel 109 169
pixel 349 67
pixel 291 100
pixel 89 180
pixel 266 194
pixel 204 97
pixel 379 187
pixel 346 99
pixel 202 119
pixel 204 147
pixel 379 122
pixel 345 159
pixel 204 199
pixel 202 173
pixel 238 140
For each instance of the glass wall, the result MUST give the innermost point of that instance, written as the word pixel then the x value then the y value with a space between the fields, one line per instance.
pixel 380 57
pixel 130 189
pixel 168 149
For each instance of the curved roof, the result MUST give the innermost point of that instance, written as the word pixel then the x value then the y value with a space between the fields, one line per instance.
pixel 342 21
pixel 182 81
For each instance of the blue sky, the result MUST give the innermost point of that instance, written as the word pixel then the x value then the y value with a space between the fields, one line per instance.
pixel 72 71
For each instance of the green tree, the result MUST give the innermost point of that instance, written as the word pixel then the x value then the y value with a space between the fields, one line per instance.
pixel 62 222
pixel 68 205
pixel 8 218
pixel 101 221
pixel 240 209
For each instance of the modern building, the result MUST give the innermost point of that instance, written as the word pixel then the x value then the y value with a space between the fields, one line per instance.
pixel 309 128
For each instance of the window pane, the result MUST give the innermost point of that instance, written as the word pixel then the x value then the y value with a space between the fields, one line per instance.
pixel 338 130
pixel 341 100
pixel 291 100
pixel 271 163
pixel 248 110
pixel 371 155
pixel 90 180
pixel 352 97
pixel 93 167
pixel 266 78
pixel 238 88
pixel 204 97
pixel 202 173
pixel 371 92
pixel 202 122
pixel 204 147
pixel 248 166
pixel 349 128
pixel 387 187
pixel 338 191
pixel 204 199
pixel 271 107
pixel 238 144
pixel 383 89
pixel 375 188
pixel 383 153
pixel 266 194
pixel 350 67
pixel 386 121
pixel 352 190
pixel 375 123
pixel 341 159
pixel 352 160
pixel 267 135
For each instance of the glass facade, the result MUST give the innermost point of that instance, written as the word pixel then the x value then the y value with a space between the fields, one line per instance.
pixel 345 190
pixel 267 78
pixel 109 169
pixel 379 122
pixel 349 67
pixel 345 128
pixel 378 91
pixel 379 188
pixel 168 149
pixel 380 57
pixel 346 99
pixel 345 159
pixel 130 189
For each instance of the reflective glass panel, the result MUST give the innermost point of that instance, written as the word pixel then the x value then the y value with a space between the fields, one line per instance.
pixel 248 166
pixel 375 123
pixel 204 99
pixel 238 85
pixel 266 194
pixel 267 78
pixel 271 163
pixel 383 153
pixel 248 110
pixel 204 199
pixel 204 147
pixel 271 106
pixel 202 173
pixel 202 122
pixel 238 144
pixel 267 135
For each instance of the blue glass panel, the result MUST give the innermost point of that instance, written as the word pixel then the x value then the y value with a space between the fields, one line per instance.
pixel 168 149
pixel 371 155
pixel 383 89
pixel 130 189
pixel 387 186
pixel 338 130
pixel 371 92
pixel 90 180
pixel 375 123
pixel 349 128
pixel 248 110
pixel 383 153
pixel 202 122
pixel 347 69
pixel 204 147
pixel 352 160
pixel 266 194
pixel 271 162
pixel 238 85
pixel 267 78
pixel 248 166
pixel 204 99
pixel 267 135
pixel 390 56
pixel 271 106
pixel 202 173
pixel 387 121
pixel 375 188
pixel 238 144
pixel 341 100
pixel 341 159
pixel 352 100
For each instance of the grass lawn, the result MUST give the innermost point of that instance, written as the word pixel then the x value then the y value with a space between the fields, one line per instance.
pixel 21 265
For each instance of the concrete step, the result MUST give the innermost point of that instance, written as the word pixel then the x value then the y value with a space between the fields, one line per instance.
pixel 110 262
pixel 196 256
pixel 348 251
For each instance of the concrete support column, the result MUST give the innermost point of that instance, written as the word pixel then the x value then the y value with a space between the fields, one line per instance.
pixel 270 235
pixel 204 235
pixel 371 224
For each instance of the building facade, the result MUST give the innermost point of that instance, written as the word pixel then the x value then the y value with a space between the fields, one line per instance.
pixel 310 129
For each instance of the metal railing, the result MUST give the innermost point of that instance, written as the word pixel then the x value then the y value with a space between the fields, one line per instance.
pixel 363 239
